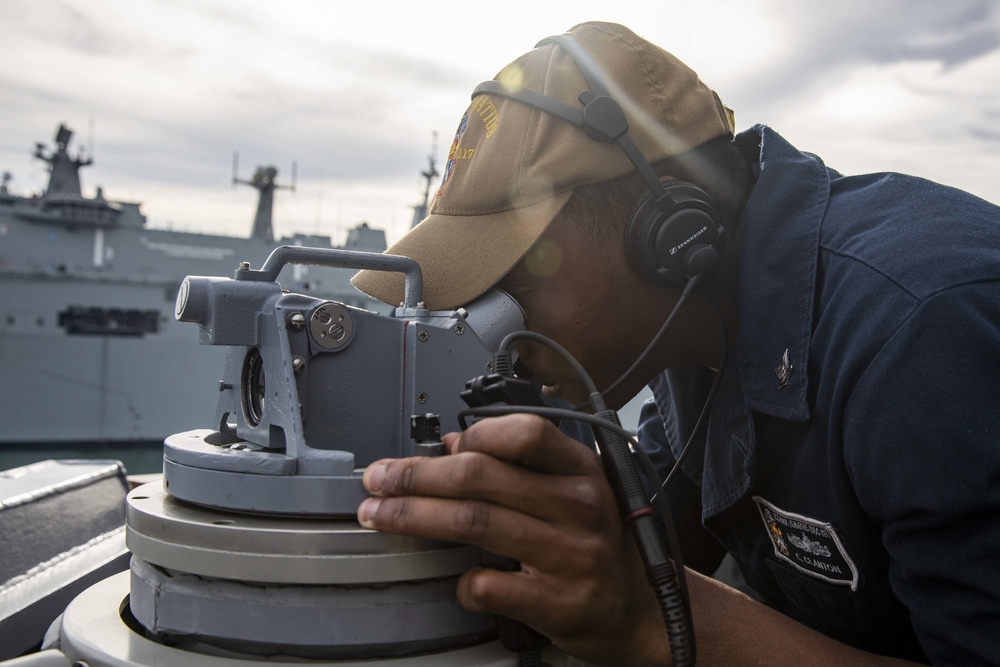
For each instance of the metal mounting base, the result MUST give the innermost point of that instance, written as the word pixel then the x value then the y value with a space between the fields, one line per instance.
pixel 295 586
pixel 93 631
pixel 254 481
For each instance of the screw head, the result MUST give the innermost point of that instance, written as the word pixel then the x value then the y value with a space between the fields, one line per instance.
pixel 423 336
pixel 296 321
pixel 459 329
pixel 422 397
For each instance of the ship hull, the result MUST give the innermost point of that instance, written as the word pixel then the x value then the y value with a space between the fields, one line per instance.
pixel 91 355
pixel 86 395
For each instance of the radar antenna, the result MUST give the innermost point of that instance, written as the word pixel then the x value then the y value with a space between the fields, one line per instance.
pixel 90 137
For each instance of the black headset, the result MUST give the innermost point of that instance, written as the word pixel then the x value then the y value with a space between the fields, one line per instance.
pixel 674 232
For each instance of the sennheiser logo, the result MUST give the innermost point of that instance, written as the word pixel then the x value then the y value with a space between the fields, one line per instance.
pixel 680 245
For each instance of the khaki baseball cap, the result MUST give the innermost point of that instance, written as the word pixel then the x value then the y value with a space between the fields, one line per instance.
pixel 512 167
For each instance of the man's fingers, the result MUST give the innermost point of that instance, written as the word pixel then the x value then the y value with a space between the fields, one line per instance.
pixel 457 476
pixel 520 596
pixel 527 440
pixel 490 591
pixel 480 524
pixel 476 476
pixel 504 460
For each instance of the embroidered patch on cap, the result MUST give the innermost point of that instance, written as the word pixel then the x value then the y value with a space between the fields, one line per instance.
pixel 454 153
pixel 808 545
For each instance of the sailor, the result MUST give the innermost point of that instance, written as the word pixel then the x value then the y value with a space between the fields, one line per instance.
pixel 840 332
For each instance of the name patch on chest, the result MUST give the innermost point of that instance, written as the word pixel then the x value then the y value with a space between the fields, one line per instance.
pixel 809 545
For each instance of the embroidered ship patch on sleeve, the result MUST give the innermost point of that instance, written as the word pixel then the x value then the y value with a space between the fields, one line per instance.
pixel 808 545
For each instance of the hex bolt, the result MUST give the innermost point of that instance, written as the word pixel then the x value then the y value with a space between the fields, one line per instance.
pixel 244 266
pixel 296 321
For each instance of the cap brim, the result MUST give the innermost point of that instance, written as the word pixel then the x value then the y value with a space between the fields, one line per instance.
pixel 462 256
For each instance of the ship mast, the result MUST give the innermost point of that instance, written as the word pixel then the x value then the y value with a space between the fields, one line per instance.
pixel 420 210
pixel 64 171
pixel 264 182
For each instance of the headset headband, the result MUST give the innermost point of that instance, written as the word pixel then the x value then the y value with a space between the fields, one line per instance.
pixel 601 118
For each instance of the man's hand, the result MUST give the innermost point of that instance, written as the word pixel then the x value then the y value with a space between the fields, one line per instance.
pixel 518 487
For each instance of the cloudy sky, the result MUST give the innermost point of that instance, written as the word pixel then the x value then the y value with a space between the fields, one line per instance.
pixel 167 90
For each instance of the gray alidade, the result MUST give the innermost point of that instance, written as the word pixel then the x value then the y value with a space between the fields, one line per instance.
pixel 313 391
pixel 250 546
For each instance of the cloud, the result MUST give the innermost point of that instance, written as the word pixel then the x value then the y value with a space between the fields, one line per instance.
pixel 822 41
pixel 952 33
pixel 174 87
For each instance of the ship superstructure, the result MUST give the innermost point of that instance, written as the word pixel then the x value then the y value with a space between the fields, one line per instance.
pixel 90 351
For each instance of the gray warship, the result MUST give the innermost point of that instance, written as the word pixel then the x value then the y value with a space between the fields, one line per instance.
pixel 92 361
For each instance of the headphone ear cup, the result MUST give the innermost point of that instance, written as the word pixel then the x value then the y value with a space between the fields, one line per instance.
pixel 640 239
pixel 675 238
